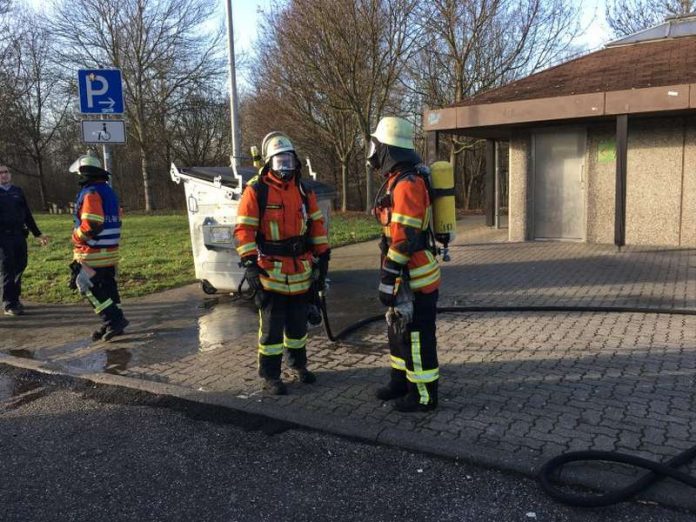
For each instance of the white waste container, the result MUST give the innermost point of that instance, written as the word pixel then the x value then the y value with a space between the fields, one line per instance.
pixel 212 198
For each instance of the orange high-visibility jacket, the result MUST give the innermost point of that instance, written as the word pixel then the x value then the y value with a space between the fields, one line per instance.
pixel 284 217
pixel 407 218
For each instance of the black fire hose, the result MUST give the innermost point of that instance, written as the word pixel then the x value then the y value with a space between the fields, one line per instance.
pixel 469 309
pixel 244 295
pixel 658 470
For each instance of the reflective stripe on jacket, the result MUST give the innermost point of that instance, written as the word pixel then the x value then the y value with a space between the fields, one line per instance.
pixel 97 231
pixel 404 222
pixel 284 217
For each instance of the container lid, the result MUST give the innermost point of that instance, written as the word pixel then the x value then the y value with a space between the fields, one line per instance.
pixel 227 178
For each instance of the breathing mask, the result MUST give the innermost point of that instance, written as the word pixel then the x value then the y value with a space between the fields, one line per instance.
pixel 375 155
pixel 284 165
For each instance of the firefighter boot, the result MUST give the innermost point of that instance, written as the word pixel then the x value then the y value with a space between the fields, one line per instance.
pixel 297 360
pixel 269 371
pixel 396 388
pixel 420 398
pixel 114 329
pixel 304 375
pixel 98 333
pixel 275 387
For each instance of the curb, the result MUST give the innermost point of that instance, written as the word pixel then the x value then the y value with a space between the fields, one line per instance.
pixel 665 493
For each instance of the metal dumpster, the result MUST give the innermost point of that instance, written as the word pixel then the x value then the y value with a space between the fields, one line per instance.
pixel 212 197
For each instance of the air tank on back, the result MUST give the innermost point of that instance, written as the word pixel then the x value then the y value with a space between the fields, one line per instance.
pixel 444 210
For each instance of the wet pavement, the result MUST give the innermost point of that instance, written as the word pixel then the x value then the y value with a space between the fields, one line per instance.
pixel 517 387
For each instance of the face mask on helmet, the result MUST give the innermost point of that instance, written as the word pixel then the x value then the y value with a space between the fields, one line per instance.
pixel 373 155
pixel 284 165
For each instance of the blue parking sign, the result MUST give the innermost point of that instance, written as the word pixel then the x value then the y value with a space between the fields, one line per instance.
pixel 100 91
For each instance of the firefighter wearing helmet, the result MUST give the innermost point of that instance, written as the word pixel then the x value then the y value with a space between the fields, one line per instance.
pixel 95 237
pixel 409 274
pixel 284 248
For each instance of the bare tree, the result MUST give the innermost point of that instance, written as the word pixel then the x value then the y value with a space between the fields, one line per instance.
pixel 200 131
pixel 6 35
pixel 287 60
pixel 346 57
pixel 475 45
pixel 161 48
pixel 630 16
pixel 39 107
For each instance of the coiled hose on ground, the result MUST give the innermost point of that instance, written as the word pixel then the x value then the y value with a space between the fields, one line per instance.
pixel 658 471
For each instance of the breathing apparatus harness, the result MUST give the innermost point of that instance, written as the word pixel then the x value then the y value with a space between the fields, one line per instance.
pixel 423 240
pixel 293 246
pixel 290 247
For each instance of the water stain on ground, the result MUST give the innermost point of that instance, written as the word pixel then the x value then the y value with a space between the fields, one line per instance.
pixel 16 390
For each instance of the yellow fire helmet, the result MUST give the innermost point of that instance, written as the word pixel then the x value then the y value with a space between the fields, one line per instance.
pixel 394 131
pixel 274 143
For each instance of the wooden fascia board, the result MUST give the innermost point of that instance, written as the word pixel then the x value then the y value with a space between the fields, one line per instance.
pixel 630 101
pixel 650 99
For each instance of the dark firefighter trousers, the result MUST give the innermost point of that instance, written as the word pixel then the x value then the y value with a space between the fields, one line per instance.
pixel 413 353
pixel 282 326
pixel 104 296
pixel 13 262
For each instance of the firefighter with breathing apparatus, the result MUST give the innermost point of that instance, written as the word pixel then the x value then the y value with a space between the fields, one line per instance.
pixel 409 273
pixel 96 237
pixel 284 248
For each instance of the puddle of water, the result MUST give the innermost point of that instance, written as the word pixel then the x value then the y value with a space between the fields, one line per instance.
pixel 21 352
pixel 6 387
pixel 224 324
pixel 11 386
pixel 209 304
pixel 114 361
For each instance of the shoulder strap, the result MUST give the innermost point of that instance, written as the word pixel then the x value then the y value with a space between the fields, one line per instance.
pixel 403 175
pixel 304 194
pixel 261 190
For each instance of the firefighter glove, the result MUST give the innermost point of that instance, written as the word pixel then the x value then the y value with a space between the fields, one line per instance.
pixel 387 282
pixel 252 272
pixel 74 270
pixel 322 267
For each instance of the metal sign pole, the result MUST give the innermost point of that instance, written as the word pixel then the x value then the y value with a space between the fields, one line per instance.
pixel 234 124
pixel 106 150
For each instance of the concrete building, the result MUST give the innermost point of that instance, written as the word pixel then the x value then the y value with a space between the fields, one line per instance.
pixel 602 148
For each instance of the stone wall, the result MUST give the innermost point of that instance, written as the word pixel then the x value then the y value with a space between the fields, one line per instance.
pixel 519 189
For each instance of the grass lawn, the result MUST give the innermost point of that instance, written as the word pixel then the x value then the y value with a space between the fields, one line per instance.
pixel 155 254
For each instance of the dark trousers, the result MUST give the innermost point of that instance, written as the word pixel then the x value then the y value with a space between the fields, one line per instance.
pixel 13 261
pixel 413 353
pixel 104 296
pixel 282 326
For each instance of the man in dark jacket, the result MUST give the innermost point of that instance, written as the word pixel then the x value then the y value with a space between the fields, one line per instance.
pixel 16 222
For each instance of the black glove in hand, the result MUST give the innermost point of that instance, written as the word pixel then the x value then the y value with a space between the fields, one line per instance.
pixel 252 273
pixel 323 269
pixel 387 282
pixel 74 270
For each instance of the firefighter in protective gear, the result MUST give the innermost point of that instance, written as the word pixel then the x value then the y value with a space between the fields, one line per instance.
pixel 95 237
pixel 405 213
pixel 282 242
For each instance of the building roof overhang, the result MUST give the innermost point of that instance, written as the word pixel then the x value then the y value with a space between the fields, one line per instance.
pixel 487 118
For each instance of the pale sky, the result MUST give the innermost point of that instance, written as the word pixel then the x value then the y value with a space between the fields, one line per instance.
pixel 246 20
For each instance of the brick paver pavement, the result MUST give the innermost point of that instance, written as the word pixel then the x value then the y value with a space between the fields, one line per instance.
pixel 516 388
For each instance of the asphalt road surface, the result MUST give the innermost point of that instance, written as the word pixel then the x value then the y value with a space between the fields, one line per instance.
pixel 70 451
